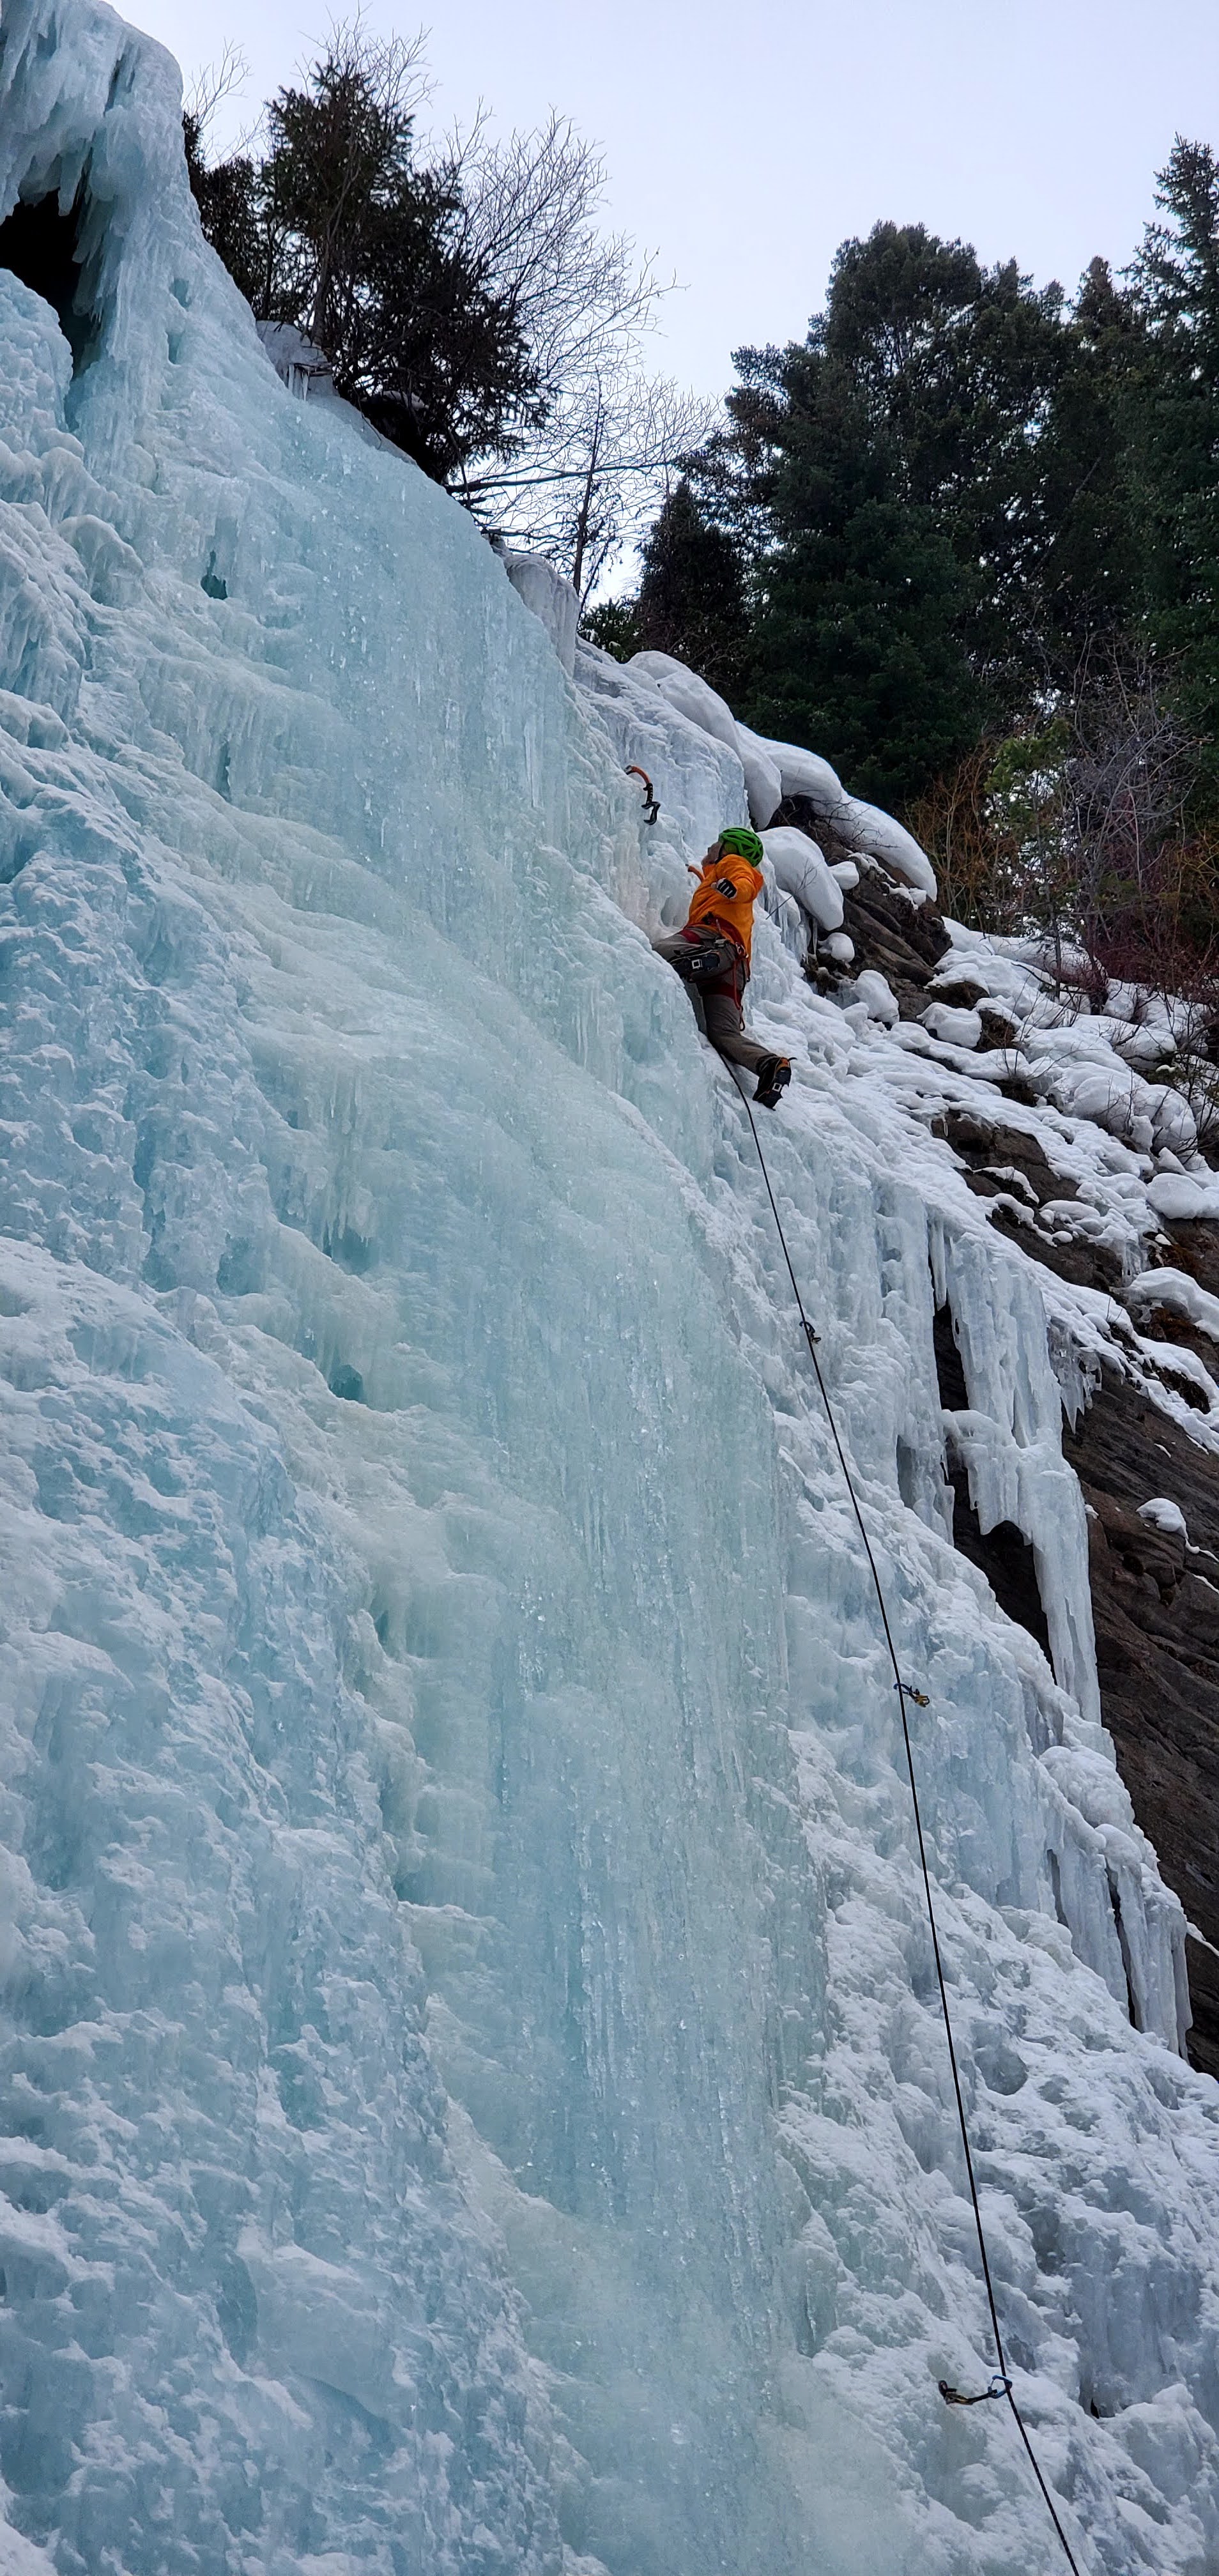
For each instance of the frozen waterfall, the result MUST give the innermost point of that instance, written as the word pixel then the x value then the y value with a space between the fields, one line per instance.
pixel 472 2097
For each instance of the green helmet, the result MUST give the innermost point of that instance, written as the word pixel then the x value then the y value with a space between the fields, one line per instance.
pixel 738 842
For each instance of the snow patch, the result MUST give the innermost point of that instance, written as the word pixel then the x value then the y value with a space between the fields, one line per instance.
pixel 801 870
pixel 1162 1514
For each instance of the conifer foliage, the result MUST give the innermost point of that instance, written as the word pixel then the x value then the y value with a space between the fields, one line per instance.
pixel 471 305
pixel 888 462
pixel 337 231
pixel 692 594
pixel 1177 286
pixel 977 532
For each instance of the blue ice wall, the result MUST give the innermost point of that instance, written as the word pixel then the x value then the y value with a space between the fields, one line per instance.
pixel 470 2092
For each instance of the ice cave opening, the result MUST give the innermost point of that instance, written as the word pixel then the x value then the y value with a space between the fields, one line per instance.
pixel 40 244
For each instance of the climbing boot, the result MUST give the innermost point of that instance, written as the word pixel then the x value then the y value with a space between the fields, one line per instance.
pixel 774 1074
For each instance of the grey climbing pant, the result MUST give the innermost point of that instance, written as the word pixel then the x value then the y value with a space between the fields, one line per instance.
pixel 716 1007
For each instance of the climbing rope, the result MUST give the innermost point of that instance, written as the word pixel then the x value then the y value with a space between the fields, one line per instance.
pixel 1000 2383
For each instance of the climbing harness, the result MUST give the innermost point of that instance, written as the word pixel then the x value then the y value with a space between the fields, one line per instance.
pixel 651 801
pixel 712 960
pixel 1000 2383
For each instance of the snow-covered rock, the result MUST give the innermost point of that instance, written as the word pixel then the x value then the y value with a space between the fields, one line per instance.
pixel 1163 1514
pixel 1142 1044
pixel 1179 1293
pixel 1084 1062
pixel 1185 1195
pixel 1080 1072
pixel 960 1028
pixel 875 992
pixel 881 837
pixel 804 773
pixel 801 870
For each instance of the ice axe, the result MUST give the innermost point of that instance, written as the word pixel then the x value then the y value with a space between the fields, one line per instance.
pixel 650 794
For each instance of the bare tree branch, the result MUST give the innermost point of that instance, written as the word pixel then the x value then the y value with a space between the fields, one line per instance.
pixel 593 465
pixel 211 86
pixel 532 205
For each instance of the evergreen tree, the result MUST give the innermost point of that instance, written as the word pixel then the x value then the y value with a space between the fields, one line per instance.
pixel 613 625
pixel 857 643
pixel 227 197
pixel 692 594
pixel 1177 282
pixel 883 485
pixel 337 232
pixel 1090 569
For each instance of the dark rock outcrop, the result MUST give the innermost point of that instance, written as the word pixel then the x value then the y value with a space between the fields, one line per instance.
pixel 905 941
pixel 1155 1602
pixel 1155 1597
pixel 1004 1164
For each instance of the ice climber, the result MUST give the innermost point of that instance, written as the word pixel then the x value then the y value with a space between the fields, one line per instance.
pixel 712 955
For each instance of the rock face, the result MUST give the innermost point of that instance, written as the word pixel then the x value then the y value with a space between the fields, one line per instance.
pixel 903 941
pixel 1155 1594
pixel 1155 1601
pixel 992 1152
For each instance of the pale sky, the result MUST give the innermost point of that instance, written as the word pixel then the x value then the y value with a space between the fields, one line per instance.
pixel 745 143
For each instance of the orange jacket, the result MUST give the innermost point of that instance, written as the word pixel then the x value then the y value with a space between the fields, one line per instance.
pixel 725 897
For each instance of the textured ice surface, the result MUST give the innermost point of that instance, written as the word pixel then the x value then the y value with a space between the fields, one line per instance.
pixel 471 2091
pixel 701 705
pixel 551 598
